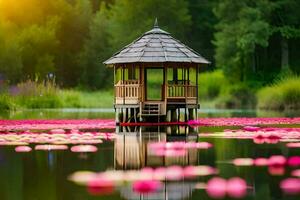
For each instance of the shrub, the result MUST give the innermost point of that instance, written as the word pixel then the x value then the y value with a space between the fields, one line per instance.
pixel 71 98
pixel 284 94
pixel 211 84
pixel 237 96
pixel 33 94
pixel 6 103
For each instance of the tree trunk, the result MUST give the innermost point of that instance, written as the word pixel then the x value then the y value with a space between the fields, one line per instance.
pixel 284 54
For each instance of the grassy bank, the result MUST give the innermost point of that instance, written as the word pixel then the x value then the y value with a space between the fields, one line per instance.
pixel 214 92
pixel 284 94
pixel 31 95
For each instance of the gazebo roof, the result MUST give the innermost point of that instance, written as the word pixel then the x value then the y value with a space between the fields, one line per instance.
pixel 156 46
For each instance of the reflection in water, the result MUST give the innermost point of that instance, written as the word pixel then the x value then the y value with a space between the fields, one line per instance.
pixel 170 190
pixel 44 174
pixel 131 151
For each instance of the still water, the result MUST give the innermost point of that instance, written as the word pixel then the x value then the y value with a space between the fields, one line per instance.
pixel 101 113
pixel 43 175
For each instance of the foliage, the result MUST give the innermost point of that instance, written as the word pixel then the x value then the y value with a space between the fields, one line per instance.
pixel 284 94
pixel 94 73
pixel 211 84
pixel 81 99
pixel 6 103
pixel 33 94
pixel 241 28
pixel 237 96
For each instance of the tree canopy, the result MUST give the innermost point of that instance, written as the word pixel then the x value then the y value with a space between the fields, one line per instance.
pixel 251 41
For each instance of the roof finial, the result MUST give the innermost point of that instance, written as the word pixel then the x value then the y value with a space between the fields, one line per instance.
pixel 155 23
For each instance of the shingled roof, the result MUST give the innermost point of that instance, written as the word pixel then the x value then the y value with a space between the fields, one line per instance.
pixel 156 46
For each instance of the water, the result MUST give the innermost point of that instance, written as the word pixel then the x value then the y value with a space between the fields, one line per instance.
pixel 43 175
pixel 93 113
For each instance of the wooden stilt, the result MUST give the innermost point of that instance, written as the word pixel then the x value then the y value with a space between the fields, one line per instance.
pixel 191 114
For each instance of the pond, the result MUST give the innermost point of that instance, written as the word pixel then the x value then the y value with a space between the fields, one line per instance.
pixel 108 113
pixel 218 158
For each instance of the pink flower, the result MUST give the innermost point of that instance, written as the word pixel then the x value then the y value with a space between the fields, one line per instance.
pixel 236 187
pixel 84 148
pixel 243 161
pixel 277 161
pixel 146 186
pixel 290 186
pixel 294 161
pixel 100 186
pixel 261 161
pixel 23 149
pixel 216 188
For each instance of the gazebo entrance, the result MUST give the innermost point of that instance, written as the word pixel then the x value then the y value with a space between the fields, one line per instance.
pixel 154 81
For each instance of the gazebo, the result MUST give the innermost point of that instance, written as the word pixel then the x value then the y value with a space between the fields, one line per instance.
pixel 156 76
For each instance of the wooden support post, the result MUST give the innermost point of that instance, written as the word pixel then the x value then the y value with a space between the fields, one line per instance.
pixel 126 115
pixel 191 114
pixel 122 115
pixel 173 115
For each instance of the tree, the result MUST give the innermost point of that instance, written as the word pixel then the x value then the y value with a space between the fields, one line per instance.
pixel 285 21
pixel 74 28
pixel 96 49
pixel 10 60
pixel 130 18
pixel 241 28
pixel 38 45
pixel 203 27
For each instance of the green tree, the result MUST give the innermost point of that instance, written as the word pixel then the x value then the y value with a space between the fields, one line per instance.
pixel 285 21
pixel 10 60
pixel 202 29
pixel 74 28
pixel 38 45
pixel 241 28
pixel 96 49
pixel 130 18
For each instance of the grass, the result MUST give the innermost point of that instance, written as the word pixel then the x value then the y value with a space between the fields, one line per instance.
pixel 85 99
pixel 284 94
pixel 211 84
pixel 32 95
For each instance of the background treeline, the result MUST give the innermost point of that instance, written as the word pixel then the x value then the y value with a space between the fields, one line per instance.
pixel 252 42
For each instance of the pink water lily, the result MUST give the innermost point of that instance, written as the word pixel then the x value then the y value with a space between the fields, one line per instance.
pixel 277 161
pixel 236 187
pixel 290 186
pixel 82 177
pixel 261 161
pixel 296 173
pixel 293 145
pixel 49 147
pixel 146 186
pixel 195 171
pixel 216 188
pixel 294 161
pixel 84 148
pixel 243 161
pixel 23 149
pixel 174 173
pixel 100 186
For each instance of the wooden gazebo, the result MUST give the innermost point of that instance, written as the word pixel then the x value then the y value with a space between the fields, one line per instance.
pixel 156 76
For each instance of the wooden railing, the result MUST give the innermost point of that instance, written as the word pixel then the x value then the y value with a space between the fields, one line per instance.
pixel 181 91
pixel 130 91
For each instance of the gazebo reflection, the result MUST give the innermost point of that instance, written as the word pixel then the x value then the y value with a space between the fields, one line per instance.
pixel 131 152
pixel 131 149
